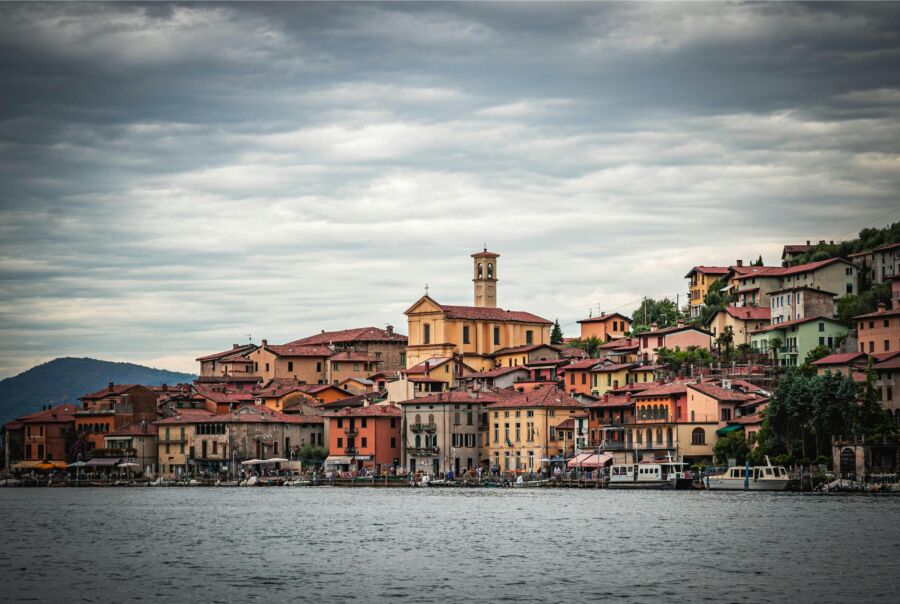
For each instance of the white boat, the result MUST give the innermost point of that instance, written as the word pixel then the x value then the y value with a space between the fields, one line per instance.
pixel 760 478
pixel 657 475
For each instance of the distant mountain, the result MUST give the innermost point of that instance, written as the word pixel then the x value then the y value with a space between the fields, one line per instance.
pixel 71 377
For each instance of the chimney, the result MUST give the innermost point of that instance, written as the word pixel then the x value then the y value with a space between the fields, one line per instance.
pixel 390 330
pixel 740 262
pixel 165 387
pixel 323 331
pixel 234 346
pixel 602 313
pixel 265 342
pixel 680 323
pixel 653 326
pixel 881 307
pixel 807 243
pixel 111 385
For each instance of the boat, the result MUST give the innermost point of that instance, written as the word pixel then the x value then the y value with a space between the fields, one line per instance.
pixel 227 483
pixel 654 475
pixel 760 478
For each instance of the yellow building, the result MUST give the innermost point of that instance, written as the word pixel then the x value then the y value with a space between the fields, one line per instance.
pixel 700 278
pixel 609 377
pixel 526 428
pixel 473 332
pixel 305 363
pixel 743 320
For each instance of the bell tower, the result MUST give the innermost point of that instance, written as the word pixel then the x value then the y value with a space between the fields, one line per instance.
pixel 485 279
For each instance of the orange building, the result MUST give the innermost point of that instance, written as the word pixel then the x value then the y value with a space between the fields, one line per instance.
pixel 364 437
pixel 45 433
pixel 606 421
pixel 578 376
pixel 879 331
pixel 304 362
pixel 115 406
pixel 606 327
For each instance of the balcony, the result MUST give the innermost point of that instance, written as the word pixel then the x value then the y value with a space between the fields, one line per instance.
pixel 422 451
pixel 351 450
pixel 351 432
pixel 424 427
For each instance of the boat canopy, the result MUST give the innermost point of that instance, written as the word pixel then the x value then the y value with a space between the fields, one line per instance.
pixel 729 428
pixel 589 460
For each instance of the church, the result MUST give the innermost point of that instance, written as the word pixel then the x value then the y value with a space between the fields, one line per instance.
pixel 473 333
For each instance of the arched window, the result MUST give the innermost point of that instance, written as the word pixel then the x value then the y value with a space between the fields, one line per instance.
pixel 490 274
pixel 480 270
pixel 431 418
pixel 698 437
pixel 418 418
pixel 649 436
pixel 659 436
pixel 640 436
pixel 418 441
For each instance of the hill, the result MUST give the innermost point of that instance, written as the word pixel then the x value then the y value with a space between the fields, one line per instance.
pixel 71 377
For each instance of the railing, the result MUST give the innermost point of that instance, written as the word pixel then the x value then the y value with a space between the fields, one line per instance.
pixel 424 427
pixel 422 451
pixel 351 432
pixel 173 441
pixel 350 450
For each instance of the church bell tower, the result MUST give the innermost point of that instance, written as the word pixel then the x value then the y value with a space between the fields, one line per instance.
pixel 485 266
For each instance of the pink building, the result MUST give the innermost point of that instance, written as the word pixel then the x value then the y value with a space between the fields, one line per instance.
pixel 681 336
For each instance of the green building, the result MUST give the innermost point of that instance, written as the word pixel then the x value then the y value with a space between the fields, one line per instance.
pixel 796 338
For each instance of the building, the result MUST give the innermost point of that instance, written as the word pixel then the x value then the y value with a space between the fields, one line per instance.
pixel 527 429
pixel 609 376
pixel 846 363
pixel 501 377
pixel 40 436
pixel 233 362
pixel 136 443
pixel 442 432
pixel 741 319
pixel 792 303
pixel 196 442
pixel 621 351
pixel 607 420
pixel 115 406
pixel 795 339
pixel 364 437
pixel 885 263
pixel 473 333
pixel 381 346
pixel 832 275
pixel 680 336
pixel 699 279
pixel 525 355
pixel 791 253
pixel 879 331
pixel 887 374
pixel 578 376
pixel 605 327
pixel 346 365
pixel 306 363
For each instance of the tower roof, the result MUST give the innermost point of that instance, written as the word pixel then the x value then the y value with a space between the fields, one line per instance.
pixel 485 254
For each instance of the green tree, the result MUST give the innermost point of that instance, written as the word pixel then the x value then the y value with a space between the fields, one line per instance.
pixel 556 334
pixel 731 446
pixel 591 345
pixel 678 359
pixel 774 346
pixel 313 454
pixel 852 305
pixel 819 352
pixel 663 312
pixel 759 261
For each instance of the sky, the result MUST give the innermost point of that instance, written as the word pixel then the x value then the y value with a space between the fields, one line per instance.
pixel 178 178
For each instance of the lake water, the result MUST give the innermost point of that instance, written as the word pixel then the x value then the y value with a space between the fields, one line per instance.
pixel 453 545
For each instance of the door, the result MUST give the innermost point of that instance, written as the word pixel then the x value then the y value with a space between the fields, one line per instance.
pixel 203 450
pixel 848 462
pixel 456 467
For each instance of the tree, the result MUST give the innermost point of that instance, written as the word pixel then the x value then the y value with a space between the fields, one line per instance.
pixel 851 305
pixel 556 335
pixel 732 446
pixel 774 345
pixel 663 312
pixel 313 454
pixel 819 352
pixel 591 345
pixel 759 261
pixel 676 359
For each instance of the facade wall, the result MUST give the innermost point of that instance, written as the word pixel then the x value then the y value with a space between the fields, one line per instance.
pixel 885 264
pixel 45 441
pixel 537 437
pixel 309 370
pixel 604 381
pixel 838 277
pixel 378 437
pixel 879 333
pixel 614 327
pixel 456 436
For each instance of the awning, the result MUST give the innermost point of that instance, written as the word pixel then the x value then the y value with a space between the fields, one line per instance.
pixel 339 460
pixel 103 462
pixel 590 460
pixel 729 428
pixel 26 465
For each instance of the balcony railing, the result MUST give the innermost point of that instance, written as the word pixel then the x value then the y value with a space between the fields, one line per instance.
pixel 422 451
pixel 424 427
pixel 350 450
pixel 351 431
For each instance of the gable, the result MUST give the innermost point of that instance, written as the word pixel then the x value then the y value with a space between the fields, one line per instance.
pixel 424 305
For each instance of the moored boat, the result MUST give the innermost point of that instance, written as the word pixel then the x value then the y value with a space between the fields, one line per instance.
pixel 656 475
pixel 754 478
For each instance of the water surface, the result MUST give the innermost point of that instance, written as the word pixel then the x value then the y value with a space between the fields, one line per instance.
pixel 445 545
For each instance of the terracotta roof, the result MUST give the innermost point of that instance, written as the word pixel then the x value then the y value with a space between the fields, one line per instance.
pixel 892 363
pixel 719 393
pixel 612 400
pixel 621 343
pixel 796 322
pixel 802 287
pixel 432 363
pixel 229 396
pixel 792 248
pixel 634 387
pixel 298 350
pixel 572 352
pixel 874 315
pixel 477 313
pixel 754 418
pixel 645 368
pixel 885 248
pixel 673 329
pixel 254 414
pixel 609 367
pixel 497 372
pixel 460 396
pixel 794 270
pixel 883 356
pixel 370 411
pixel 135 429
pixel 546 396
pixel 582 364
pixel 305 419
pixel 603 318
pixel 358 400
pixel 239 350
pixel 358 334
pixel 844 358
pixel 60 414
pixel 708 270
pixel 525 348
pixel 115 390
pixel 663 390
pixel 485 254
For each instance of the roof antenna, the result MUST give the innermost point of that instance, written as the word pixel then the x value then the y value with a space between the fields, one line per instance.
pixel 250 338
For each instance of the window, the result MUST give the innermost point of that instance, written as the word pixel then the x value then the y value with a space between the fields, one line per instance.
pixel 821 341
pixel 726 415
pixel 393 442
pixel 821 326
pixel 364 422
pixel 319 367
pixel 465 334
pixel 426 334
pixel 365 441
pixel 887 323
pixel 496 336
pixel 393 423
pixel 267 366
pixel 572 378
pixel 340 442
pixel 518 433
pixel 849 288
pixel 698 437
pixel 290 365
pixel 336 366
pixel 584 378
pixel 355 366
pixel 887 345
pixel 529 336
pixel 456 418
pixel 496 433
pixel 340 422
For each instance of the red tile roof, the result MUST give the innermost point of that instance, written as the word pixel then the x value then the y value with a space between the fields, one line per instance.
pixel 621 343
pixel 548 396
pixel 670 330
pixel 358 334
pixel 477 313
pixel 719 393
pixel 802 287
pixel 794 270
pixel 754 418
pixel 115 390
pixel 461 396
pixel 603 318
pixel 892 363
pixel 844 358
pixel 612 400
pixel 708 270
pixel 253 414
pixel 370 411
pixel 795 322
pixel 878 313
pixel 235 351
pixel 610 367
pixel 485 254
pixel 229 396
pixel 135 429
pixel 432 363
pixel 496 372
pixel 663 390
pixel 582 364
pixel 354 356
pixel 298 350
pixel 525 348
pixel 572 352
pixel 60 414
pixel 885 248
pixel 793 248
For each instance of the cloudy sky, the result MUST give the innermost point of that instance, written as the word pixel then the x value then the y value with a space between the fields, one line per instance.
pixel 177 178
